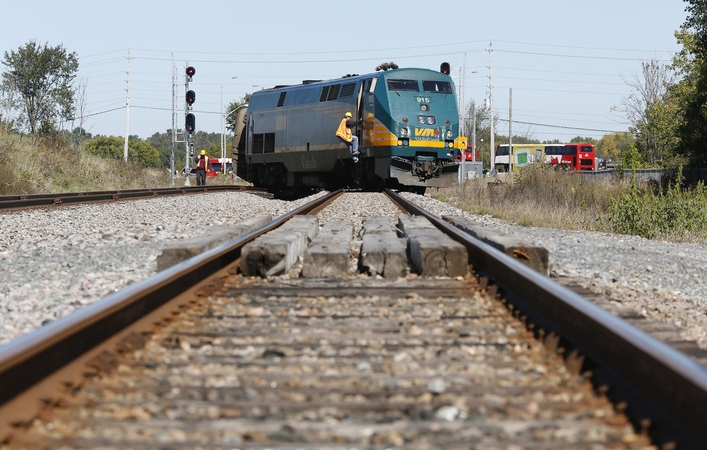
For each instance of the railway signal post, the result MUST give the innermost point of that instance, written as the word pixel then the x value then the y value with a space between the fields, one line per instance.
pixel 189 121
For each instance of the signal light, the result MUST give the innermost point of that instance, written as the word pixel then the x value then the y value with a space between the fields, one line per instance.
pixel 190 123
pixel 191 97
pixel 444 68
pixel 190 72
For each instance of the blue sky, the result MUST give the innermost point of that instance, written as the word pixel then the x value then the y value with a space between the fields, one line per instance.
pixel 566 63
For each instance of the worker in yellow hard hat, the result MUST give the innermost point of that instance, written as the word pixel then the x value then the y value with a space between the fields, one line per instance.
pixel 201 165
pixel 344 133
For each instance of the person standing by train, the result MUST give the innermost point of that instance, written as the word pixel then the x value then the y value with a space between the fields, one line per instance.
pixel 201 166
pixel 344 133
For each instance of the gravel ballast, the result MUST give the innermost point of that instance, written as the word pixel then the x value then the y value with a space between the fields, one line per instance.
pixel 54 261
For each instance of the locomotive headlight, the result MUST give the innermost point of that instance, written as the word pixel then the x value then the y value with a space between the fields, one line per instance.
pixel 404 131
pixel 431 120
pixel 449 134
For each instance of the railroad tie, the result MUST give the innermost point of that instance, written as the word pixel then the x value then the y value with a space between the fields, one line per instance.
pixel 329 253
pixel 187 248
pixel 275 252
pixel 433 254
pixel 533 256
pixel 382 251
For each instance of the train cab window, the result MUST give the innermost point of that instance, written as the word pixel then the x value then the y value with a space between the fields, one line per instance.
pixel 281 100
pixel 347 90
pixel 440 87
pixel 403 85
pixel 324 94
pixel 334 92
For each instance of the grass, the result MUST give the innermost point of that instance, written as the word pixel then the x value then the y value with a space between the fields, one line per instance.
pixel 544 197
pixel 31 165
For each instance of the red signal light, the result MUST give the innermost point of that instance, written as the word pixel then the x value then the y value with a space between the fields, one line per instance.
pixel 191 97
pixel 445 68
pixel 190 123
pixel 191 71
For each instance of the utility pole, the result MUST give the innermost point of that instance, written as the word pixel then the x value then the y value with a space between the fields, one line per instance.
pixel 473 129
pixel 492 150
pixel 127 114
pixel 510 130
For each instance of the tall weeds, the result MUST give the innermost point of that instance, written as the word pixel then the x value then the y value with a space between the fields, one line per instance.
pixel 675 213
pixel 545 197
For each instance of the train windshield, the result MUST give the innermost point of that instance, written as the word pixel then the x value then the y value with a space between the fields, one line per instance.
pixel 403 85
pixel 502 151
pixel 440 87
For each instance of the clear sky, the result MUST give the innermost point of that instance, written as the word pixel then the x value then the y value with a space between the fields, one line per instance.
pixel 567 63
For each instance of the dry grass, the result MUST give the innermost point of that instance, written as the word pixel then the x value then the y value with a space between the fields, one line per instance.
pixel 540 197
pixel 29 165
pixel 544 197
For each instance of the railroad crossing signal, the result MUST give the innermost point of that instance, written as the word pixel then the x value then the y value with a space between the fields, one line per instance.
pixel 190 119
pixel 190 123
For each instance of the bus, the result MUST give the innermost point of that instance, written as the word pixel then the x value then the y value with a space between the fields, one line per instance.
pixel 523 155
pixel 569 156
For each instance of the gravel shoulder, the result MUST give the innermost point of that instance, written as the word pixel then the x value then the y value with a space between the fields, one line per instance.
pixel 54 261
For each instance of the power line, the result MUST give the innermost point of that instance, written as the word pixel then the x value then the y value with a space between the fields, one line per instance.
pixel 560 126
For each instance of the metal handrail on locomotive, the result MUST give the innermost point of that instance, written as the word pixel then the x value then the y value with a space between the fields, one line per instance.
pixel 409 132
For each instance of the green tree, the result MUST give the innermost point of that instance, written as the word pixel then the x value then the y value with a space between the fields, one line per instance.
pixel 583 140
pixel 651 110
pixel 114 147
pixel 631 158
pixel 613 145
pixel 163 143
pixel 691 91
pixel 232 111
pixel 42 76
pixel 105 146
pixel 143 153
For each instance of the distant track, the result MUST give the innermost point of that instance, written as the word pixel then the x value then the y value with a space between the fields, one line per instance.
pixel 9 202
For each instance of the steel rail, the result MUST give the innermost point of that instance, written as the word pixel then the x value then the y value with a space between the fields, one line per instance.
pixel 31 358
pixel 664 392
pixel 8 202
pixel 659 389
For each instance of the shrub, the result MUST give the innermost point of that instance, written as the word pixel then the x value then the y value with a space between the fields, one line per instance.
pixel 655 212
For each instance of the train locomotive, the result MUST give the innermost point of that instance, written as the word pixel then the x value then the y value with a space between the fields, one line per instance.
pixel 285 139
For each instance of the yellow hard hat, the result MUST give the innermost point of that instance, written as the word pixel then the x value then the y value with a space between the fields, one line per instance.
pixel 348 114
pixel 203 152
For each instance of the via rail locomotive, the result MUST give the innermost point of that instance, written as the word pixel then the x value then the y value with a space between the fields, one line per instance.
pixel 285 139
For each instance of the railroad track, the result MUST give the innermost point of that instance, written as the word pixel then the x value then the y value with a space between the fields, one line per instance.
pixel 201 356
pixel 10 202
